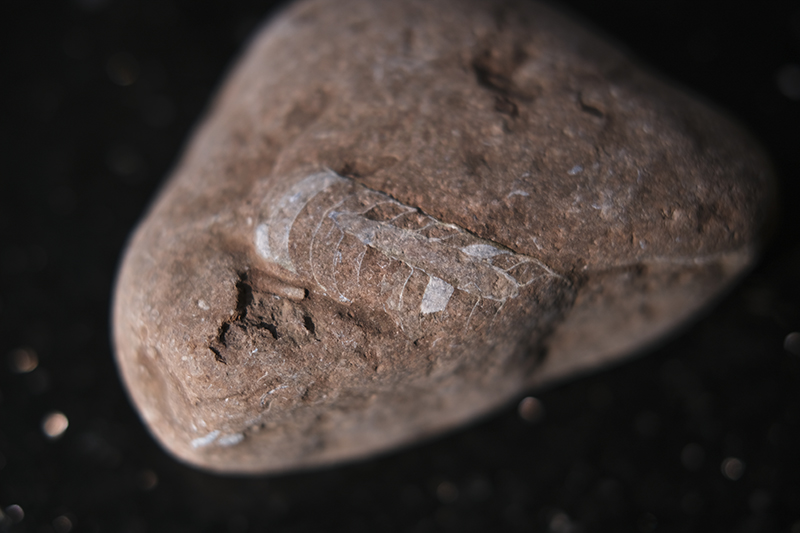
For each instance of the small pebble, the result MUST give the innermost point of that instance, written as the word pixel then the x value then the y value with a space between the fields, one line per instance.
pixel 531 409
pixel 447 492
pixel 732 468
pixel 62 524
pixel 23 360
pixel 55 424
pixel 13 513
pixel 792 343
pixel 147 480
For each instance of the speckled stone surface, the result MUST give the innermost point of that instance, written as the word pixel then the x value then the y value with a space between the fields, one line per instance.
pixel 399 215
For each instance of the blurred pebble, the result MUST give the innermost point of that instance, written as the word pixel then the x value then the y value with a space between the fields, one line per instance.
pixel 530 409
pixel 732 468
pixel 788 81
pixel 792 343
pixel 447 492
pixel 147 479
pixel 560 523
pixel 14 513
pixel 55 424
pixel 23 360
pixel 692 456
pixel 62 524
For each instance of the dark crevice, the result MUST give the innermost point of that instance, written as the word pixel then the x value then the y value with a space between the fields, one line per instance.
pixel 244 295
pixel 222 331
pixel 353 167
pixel 474 162
pixel 308 323
pixel 488 78
pixel 349 170
pixel 219 341
pixel 218 355
pixel 592 110
pixel 505 105
pixel 271 328
pixel 706 215
pixel 495 72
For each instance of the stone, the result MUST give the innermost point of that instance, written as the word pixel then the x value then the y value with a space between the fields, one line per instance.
pixel 401 215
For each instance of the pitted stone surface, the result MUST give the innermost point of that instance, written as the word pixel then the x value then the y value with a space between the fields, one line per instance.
pixel 400 215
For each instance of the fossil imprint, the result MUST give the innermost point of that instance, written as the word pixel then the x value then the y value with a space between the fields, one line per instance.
pixel 349 320
pixel 358 244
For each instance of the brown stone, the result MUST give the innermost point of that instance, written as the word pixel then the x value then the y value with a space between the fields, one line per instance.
pixel 400 215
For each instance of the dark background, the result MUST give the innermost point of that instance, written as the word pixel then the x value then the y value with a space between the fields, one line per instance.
pixel 97 99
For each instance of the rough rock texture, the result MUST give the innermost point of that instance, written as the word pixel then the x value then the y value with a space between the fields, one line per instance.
pixel 401 214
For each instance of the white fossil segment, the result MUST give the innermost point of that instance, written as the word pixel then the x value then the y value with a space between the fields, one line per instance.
pixel 200 442
pixel 483 251
pixel 262 242
pixel 230 440
pixel 343 219
pixel 272 236
pixel 432 256
pixel 437 294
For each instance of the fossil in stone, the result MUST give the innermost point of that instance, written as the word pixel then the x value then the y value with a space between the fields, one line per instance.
pixel 402 214
pixel 353 228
